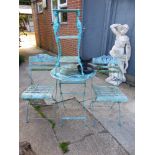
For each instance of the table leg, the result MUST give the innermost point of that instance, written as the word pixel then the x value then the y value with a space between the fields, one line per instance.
pixel 27 112
pixel 61 94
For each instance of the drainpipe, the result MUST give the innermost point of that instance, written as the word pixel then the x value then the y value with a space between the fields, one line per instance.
pixel 83 27
pixel 45 30
pixel 34 3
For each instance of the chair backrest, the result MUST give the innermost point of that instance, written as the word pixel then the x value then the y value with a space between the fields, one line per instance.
pixel 107 63
pixel 41 62
pixel 56 28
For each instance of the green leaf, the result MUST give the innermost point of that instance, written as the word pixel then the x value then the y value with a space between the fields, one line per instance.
pixel 64 146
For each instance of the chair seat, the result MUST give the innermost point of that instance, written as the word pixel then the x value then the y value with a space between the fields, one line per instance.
pixel 109 94
pixel 37 92
pixel 69 59
pixel 36 67
pixel 70 74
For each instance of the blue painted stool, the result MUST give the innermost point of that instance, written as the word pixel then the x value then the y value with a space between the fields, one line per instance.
pixel 109 94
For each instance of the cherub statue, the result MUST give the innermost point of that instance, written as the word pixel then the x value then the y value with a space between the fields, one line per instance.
pixel 122 51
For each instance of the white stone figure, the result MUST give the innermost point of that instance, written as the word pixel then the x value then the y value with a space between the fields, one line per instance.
pixel 122 51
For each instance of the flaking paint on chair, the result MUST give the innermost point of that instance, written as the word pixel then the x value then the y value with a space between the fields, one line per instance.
pixel 37 93
pixel 61 72
pixel 108 93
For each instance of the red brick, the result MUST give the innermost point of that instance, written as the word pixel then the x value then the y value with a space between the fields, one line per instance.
pixel 44 32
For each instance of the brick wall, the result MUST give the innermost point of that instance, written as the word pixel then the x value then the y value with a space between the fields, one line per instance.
pixel 44 31
pixel 36 28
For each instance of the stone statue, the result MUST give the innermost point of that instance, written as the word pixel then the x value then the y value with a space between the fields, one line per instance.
pixel 122 51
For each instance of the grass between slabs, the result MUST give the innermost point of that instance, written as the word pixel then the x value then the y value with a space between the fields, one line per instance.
pixel 64 146
pixel 38 109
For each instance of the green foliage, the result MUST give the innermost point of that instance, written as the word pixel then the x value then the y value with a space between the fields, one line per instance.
pixel 64 146
pixel 39 110
pixel 54 2
pixel 37 107
pixel 21 59
pixel 23 18
pixel 25 2
pixel 52 123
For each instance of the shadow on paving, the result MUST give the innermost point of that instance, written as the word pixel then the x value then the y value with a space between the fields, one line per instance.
pixel 84 138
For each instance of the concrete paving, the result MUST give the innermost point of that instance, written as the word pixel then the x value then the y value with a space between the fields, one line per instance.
pixel 105 138
pixel 28 45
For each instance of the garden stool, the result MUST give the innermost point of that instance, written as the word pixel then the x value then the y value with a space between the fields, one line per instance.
pixel 37 93
pixel 109 94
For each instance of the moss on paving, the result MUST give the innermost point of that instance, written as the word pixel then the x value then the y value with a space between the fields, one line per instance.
pixel 64 146
pixel 52 123
pixel 38 109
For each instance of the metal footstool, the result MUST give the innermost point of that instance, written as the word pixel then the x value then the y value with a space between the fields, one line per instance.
pixel 35 94
pixel 109 94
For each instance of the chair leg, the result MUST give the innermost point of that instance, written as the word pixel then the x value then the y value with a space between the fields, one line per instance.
pixel 91 89
pixel 83 104
pixel 62 99
pixel 27 112
pixel 84 94
pixel 119 115
pixel 92 105
pixel 112 105
pixel 56 90
pixel 61 122
pixel 93 99
pixel 92 109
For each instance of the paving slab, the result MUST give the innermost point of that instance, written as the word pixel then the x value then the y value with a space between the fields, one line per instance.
pixel 38 133
pixel 84 138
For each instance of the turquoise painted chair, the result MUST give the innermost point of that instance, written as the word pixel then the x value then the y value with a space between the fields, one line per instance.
pixel 107 93
pixel 65 71
pixel 37 93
